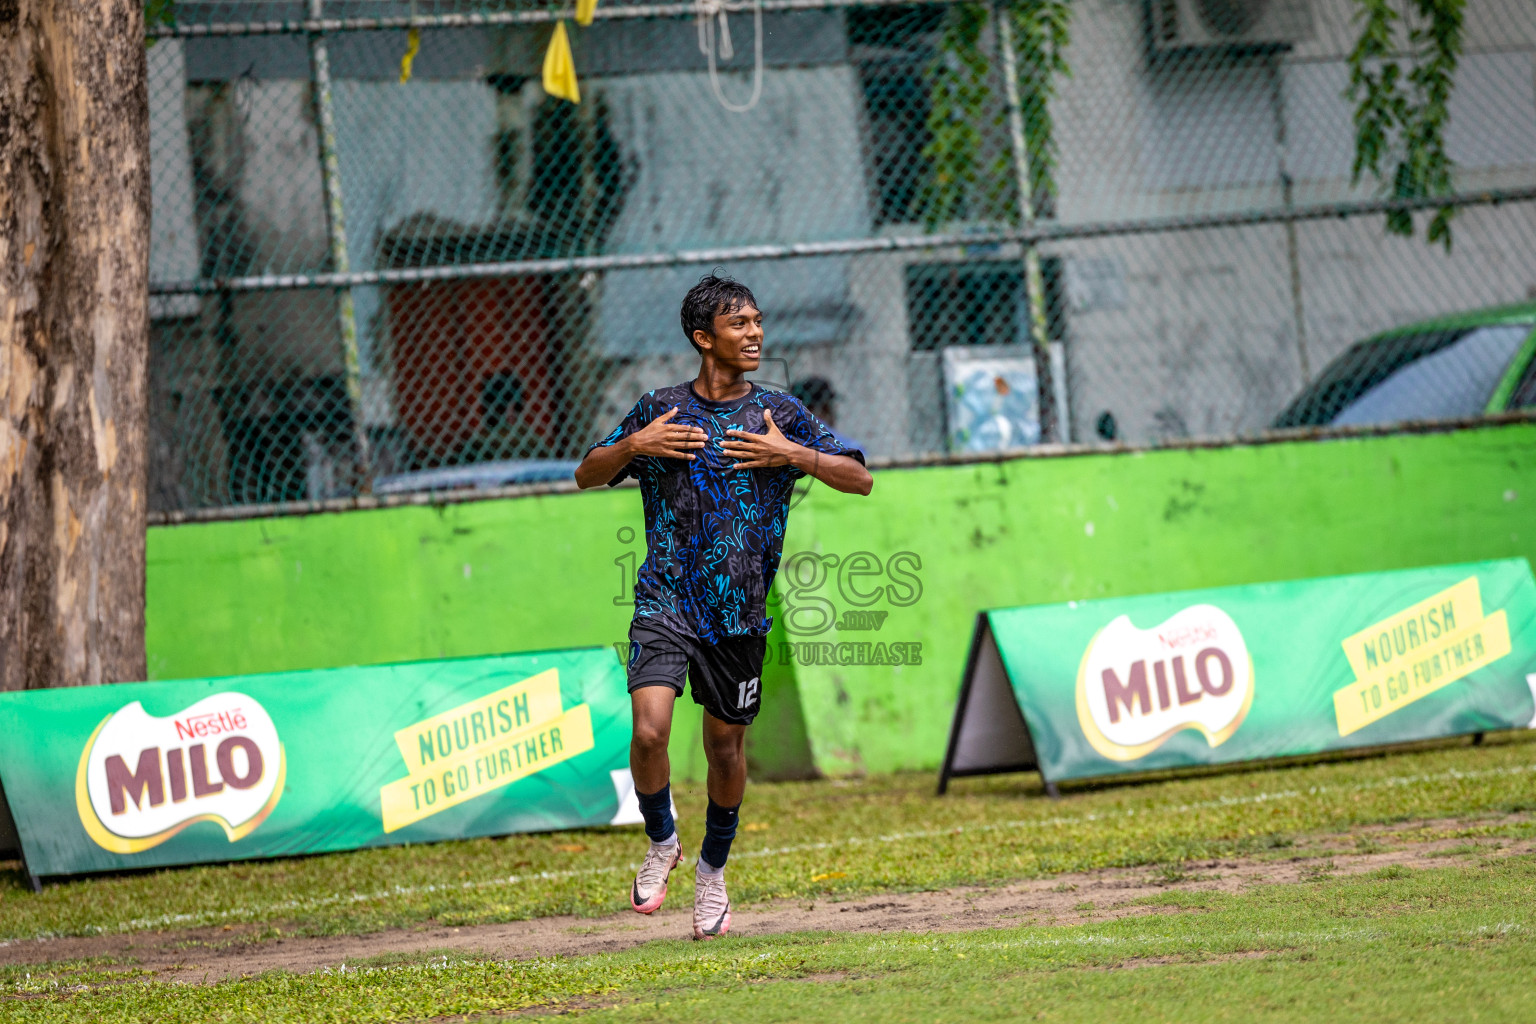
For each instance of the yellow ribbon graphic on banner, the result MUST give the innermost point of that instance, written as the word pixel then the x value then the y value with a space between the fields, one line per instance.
pixel 585 9
pixel 483 745
pixel 560 67
pixel 1416 651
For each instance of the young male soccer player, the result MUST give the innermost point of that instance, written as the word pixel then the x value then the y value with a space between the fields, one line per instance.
pixel 717 458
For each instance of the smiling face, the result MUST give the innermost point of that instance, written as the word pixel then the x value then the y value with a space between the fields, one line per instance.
pixel 737 342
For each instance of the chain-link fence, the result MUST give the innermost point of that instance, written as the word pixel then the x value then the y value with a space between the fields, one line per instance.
pixel 365 280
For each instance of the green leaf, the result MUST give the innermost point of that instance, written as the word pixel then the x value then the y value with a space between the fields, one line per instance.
pixel 1401 73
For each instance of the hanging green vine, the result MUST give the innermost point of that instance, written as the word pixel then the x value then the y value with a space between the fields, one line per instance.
pixel 1401 114
pixel 961 101
pixel 957 83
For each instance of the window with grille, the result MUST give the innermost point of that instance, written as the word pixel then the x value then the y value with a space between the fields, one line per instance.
pixel 980 303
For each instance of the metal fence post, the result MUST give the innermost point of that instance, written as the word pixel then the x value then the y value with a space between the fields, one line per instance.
pixel 1288 199
pixel 336 229
pixel 1051 417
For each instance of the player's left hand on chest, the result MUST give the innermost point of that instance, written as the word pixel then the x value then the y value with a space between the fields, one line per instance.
pixel 759 451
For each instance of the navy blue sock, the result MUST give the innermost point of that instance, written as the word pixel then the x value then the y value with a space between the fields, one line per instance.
pixel 656 808
pixel 719 830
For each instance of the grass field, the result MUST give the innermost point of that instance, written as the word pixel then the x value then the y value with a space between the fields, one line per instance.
pixel 1403 944
pixel 1437 945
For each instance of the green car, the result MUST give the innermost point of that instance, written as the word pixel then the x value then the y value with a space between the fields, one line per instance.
pixel 1453 367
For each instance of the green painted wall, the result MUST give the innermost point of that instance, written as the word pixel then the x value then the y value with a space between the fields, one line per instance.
pixel 531 573
pixel 261 595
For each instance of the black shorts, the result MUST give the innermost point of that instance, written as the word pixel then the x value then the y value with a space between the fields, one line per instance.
pixel 726 678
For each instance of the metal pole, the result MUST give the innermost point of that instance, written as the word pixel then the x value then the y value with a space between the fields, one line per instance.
pixel 1050 231
pixel 544 16
pixel 1287 196
pixel 336 228
pixel 1034 280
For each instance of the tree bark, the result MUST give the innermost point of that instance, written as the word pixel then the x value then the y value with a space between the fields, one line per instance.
pixel 74 327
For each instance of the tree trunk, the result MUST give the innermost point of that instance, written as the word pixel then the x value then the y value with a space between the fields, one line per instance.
pixel 74 326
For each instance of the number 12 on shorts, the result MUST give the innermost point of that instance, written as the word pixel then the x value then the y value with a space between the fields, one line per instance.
pixel 746 692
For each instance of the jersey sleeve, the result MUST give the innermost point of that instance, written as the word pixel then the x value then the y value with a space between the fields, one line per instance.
pixel 803 428
pixel 643 412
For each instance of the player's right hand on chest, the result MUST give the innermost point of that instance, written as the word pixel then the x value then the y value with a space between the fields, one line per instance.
pixel 666 439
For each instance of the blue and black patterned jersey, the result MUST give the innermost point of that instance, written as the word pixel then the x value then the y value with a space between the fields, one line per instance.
pixel 714 535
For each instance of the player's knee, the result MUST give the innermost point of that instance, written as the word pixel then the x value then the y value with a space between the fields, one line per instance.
pixel 725 751
pixel 650 736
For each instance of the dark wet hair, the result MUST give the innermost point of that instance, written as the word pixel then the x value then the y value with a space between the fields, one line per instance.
pixel 714 295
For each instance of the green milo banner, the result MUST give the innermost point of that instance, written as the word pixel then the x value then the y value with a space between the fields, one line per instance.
pixel 142 774
pixel 1092 688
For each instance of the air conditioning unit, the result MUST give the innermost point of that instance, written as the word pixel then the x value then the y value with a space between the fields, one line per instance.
pixel 1181 25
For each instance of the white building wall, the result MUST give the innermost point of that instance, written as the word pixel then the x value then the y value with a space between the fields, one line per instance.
pixel 790 169
pixel 1205 334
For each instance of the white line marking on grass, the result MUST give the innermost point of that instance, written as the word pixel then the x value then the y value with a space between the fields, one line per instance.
pixel 1204 943
pixel 1204 805
pixel 404 891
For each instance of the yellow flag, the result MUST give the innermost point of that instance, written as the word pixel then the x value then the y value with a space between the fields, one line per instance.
pixel 412 48
pixel 584 11
pixel 560 68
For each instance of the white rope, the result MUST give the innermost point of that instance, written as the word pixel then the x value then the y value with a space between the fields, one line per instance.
pixel 712 13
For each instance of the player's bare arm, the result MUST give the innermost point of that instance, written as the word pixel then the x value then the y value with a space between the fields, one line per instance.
pixel 660 437
pixel 840 472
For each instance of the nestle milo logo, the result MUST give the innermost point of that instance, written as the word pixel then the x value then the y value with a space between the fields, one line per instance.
pixel 142 779
pixel 1137 687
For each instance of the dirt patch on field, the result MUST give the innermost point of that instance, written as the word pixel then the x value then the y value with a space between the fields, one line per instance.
pixel 212 954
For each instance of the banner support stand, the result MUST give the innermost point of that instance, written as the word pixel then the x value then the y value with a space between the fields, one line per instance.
pixel 989 735
pixel 8 836
pixel 965 696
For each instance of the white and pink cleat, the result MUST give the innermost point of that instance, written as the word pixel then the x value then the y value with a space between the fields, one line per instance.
pixel 711 906
pixel 650 886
